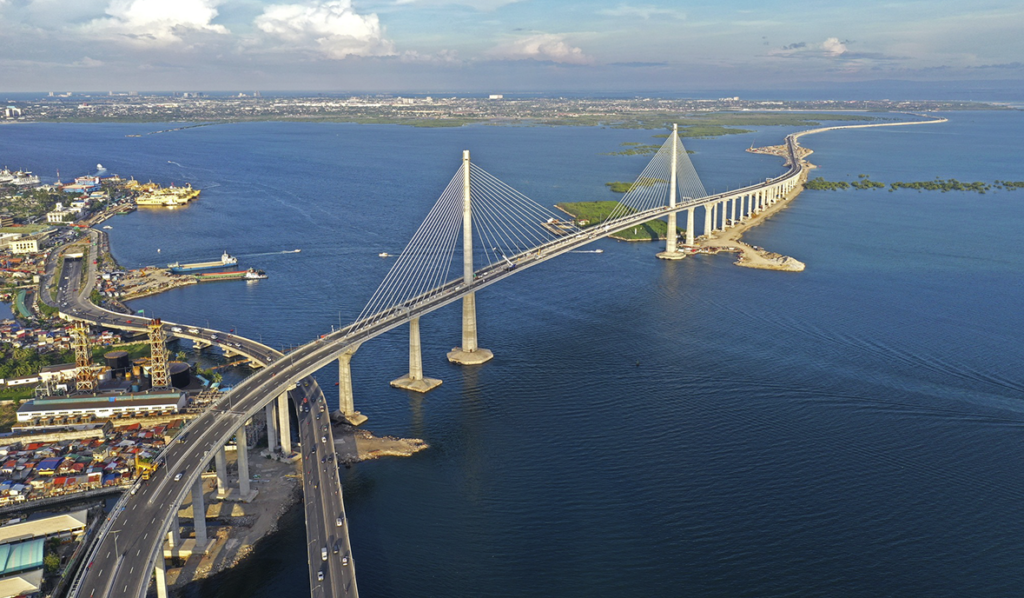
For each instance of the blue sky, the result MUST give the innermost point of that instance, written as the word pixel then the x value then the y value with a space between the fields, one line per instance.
pixel 500 45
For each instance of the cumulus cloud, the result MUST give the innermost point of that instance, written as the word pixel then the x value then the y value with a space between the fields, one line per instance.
pixel 483 5
pixel 833 47
pixel 157 21
pixel 644 12
pixel 331 28
pixel 87 62
pixel 545 46
pixel 446 57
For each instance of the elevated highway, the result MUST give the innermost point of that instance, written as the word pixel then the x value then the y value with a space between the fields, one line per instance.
pixel 130 550
pixel 124 557
pixel 132 545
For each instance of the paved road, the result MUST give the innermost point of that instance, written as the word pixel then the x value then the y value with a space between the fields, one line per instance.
pixel 124 570
pixel 124 558
pixel 330 554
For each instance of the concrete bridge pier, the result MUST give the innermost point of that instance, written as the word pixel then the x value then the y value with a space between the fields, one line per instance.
pixel 198 345
pixel 707 220
pixel 725 213
pixel 244 486
pixel 174 534
pixel 199 517
pixel 346 397
pixel 284 424
pixel 271 427
pixel 220 461
pixel 689 226
pixel 414 380
pixel 470 352
pixel 735 210
pixel 160 575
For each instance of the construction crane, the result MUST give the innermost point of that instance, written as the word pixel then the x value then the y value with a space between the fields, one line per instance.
pixel 158 371
pixel 85 378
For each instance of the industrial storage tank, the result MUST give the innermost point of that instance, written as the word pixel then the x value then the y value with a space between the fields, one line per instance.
pixel 181 374
pixel 118 362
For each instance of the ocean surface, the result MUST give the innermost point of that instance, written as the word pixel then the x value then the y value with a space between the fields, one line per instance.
pixel 646 428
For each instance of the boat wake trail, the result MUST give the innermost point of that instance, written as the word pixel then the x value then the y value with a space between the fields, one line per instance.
pixel 175 163
pixel 271 253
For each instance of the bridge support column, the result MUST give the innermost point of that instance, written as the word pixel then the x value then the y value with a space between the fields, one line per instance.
pixel 199 516
pixel 244 487
pixel 160 573
pixel 671 235
pixel 174 534
pixel 735 210
pixel 689 226
pixel 725 214
pixel 414 380
pixel 346 397
pixel 220 460
pixel 284 426
pixel 271 427
pixel 470 352
pixel 707 220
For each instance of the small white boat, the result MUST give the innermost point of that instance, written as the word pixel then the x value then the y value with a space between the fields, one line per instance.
pixel 108 227
pixel 384 254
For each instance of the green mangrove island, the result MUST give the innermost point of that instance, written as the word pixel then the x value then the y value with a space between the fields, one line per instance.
pixel 943 185
pixel 592 213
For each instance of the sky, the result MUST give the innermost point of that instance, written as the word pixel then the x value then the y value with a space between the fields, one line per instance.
pixel 495 46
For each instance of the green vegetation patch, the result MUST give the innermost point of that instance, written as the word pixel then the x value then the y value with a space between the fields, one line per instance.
pixel 943 185
pixel 596 212
pixel 635 149
pixel 135 351
pixel 624 187
pixel 26 361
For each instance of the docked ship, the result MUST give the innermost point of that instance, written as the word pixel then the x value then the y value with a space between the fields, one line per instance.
pixel 24 178
pixel 250 274
pixel 168 196
pixel 225 260
pixel 6 176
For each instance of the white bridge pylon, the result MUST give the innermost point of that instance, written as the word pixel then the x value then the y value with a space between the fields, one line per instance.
pixel 498 226
pixel 505 225
pixel 668 180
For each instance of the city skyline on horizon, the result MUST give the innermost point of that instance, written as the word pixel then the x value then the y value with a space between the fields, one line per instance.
pixel 510 46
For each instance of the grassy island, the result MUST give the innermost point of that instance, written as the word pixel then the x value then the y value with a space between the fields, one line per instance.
pixel 942 185
pixel 593 213
pixel 624 187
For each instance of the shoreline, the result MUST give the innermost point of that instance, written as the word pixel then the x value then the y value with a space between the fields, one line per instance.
pixel 758 257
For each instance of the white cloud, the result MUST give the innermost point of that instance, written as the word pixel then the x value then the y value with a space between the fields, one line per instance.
pixel 482 5
pixel 331 28
pixel 545 46
pixel 87 62
pixel 448 57
pixel 833 47
pixel 157 22
pixel 644 12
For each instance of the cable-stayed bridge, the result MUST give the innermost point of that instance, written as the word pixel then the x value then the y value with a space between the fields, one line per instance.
pixel 478 222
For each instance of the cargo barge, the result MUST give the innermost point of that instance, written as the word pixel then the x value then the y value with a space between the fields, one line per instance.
pixel 250 274
pixel 225 260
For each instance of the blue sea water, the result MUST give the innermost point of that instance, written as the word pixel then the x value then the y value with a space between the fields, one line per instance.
pixel 646 428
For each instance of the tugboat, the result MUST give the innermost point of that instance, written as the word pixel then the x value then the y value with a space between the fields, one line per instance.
pixel 254 274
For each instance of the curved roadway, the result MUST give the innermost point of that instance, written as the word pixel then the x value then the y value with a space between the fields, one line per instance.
pixel 127 554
